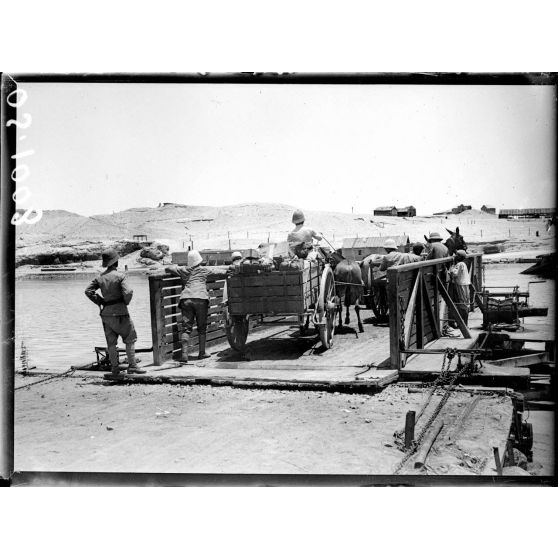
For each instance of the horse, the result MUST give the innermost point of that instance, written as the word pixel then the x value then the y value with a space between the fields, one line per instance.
pixel 348 285
pixel 455 242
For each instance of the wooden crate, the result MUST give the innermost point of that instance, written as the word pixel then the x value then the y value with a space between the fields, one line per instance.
pixel 274 292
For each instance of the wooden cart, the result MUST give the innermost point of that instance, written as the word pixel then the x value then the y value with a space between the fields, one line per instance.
pixel 308 293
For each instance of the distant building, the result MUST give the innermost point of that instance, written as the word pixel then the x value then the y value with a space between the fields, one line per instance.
pixel 139 238
pixel 460 208
pixel 359 248
pixel 408 211
pixel 532 213
pixel 392 211
pixel 388 210
pixel 489 209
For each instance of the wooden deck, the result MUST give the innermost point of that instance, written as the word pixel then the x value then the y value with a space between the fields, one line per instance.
pixel 422 366
pixel 279 356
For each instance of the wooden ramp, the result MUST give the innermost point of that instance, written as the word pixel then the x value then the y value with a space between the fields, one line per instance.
pixel 427 366
pixel 278 355
pixel 342 378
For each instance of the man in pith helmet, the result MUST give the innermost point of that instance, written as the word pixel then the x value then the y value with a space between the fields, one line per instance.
pixel 194 302
pixel 300 238
pixel 236 258
pixel 116 294
pixel 393 256
pixel 437 249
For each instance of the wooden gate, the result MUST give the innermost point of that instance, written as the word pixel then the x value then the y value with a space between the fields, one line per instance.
pixel 419 304
pixel 166 317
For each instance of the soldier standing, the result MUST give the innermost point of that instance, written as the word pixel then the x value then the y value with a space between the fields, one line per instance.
pixel 115 296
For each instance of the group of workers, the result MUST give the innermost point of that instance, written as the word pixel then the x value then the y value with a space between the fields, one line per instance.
pixel 459 281
pixel 116 292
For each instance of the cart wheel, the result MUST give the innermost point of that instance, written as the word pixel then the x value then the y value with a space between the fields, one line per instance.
pixel 237 331
pixel 325 308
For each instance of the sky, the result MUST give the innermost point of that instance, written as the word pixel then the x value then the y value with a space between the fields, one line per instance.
pixel 101 148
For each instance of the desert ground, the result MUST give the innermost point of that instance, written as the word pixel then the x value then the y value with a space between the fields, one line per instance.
pixel 84 425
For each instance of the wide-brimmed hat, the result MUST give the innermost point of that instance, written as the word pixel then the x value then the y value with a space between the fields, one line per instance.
pixel 390 243
pixel 110 257
pixel 434 236
pixel 460 254
pixel 236 256
pixel 194 258
pixel 298 217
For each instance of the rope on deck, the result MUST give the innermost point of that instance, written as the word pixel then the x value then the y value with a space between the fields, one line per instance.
pixel 66 374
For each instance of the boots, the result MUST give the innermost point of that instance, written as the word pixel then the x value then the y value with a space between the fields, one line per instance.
pixel 202 353
pixel 133 367
pixel 113 356
pixel 114 370
pixel 185 346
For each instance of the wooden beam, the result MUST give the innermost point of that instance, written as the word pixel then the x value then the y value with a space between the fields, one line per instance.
pixel 429 310
pixel 453 310
pixel 394 320
pixel 157 321
pixel 420 315
pixel 411 309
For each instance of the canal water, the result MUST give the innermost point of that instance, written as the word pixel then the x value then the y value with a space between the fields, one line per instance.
pixel 60 326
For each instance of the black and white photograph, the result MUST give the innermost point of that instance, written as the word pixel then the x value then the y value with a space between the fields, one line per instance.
pixel 281 275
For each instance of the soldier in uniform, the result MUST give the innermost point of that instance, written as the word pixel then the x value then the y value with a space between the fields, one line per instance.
pixel 300 238
pixel 393 256
pixel 437 250
pixel 194 302
pixel 115 296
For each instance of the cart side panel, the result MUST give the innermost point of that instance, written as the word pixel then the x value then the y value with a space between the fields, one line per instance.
pixel 275 292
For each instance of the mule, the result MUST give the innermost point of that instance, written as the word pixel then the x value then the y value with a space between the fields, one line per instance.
pixel 348 286
pixel 455 242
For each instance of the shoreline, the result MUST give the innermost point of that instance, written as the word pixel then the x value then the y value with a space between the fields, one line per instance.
pixel 33 271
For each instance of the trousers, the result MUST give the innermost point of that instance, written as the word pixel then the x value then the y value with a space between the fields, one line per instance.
pixel 194 310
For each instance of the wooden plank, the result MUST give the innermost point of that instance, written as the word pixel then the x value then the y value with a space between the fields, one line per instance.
pixel 394 318
pixel 420 314
pixel 264 306
pixel 156 317
pixel 269 279
pixel 410 313
pixel 266 291
pixel 430 312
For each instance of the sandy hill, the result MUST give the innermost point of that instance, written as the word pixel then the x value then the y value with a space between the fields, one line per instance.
pixel 59 223
pixel 247 225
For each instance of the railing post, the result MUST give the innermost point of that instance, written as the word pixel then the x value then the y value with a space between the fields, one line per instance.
pixel 419 324
pixel 394 318
pixel 157 321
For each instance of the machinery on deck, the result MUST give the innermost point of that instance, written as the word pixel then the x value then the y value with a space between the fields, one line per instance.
pixel 503 309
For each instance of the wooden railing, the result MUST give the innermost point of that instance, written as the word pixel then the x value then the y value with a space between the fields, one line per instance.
pixel 166 317
pixel 419 304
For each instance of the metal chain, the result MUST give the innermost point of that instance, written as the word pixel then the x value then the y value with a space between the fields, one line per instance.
pixel 461 370
pixel 50 379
